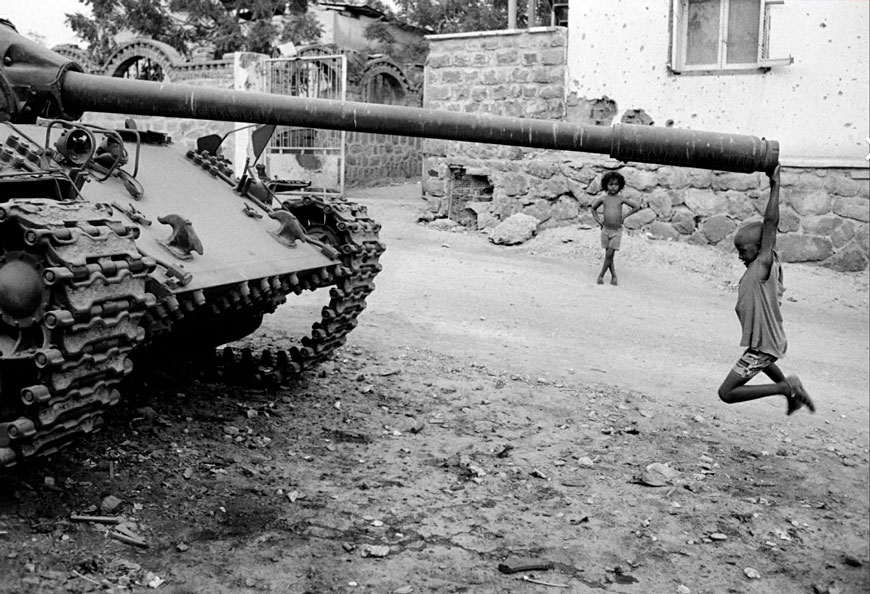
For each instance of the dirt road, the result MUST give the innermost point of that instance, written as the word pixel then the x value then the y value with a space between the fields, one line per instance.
pixel 493 403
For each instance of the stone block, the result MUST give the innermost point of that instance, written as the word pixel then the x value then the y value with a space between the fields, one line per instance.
pixel 515 184
pixel 517 228
pixel 553 57
pixel 577 171
pixel 739 206
pixel 796 247
pixel 639 219
pixel 594 186
pixel 662 230
pixel 513 109
pixel 540 209
pixel 632 194
pixel 674 178
pixel 642 180
pixel 551 92
pixel 535 108
pixel 862 238
pixel 507 57
pixel 586 218
pixel 853 208
pixel 520 75
pixel 789 222
pixel 810 202
pixel 740 182
pixel 838 229
pixel 545 169
pixel 849 259
pixel 555 186
pixel 578 189
pixel 839 184
pixel 437 93
pixel 683 220
pixel 434 186
pixel 699 178
pixel 698 238
pixel 566 208
pixel 481 60
pixel 704 202
pixel 547 75
pixel 717 227
pixel 660 203
pixel 451 77
pixel 807 180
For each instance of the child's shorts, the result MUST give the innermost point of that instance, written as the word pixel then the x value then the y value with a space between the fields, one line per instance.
pixel 752 362
pixel 611 238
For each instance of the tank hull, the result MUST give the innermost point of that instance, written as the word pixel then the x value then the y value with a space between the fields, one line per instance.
pixel 98 267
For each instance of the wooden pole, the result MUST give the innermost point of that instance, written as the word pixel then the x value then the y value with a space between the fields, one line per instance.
pixel 512 14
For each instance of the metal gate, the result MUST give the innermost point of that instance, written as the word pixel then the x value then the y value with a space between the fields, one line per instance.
pixel 308 154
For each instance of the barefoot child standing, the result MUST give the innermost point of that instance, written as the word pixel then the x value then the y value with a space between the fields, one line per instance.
pixel 758 301
pixel 611 229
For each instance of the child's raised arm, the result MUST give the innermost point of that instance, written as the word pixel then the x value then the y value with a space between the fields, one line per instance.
pixel 770 224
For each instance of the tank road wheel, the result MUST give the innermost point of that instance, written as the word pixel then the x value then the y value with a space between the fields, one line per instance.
pixel 72 291
pixel 23 300
pixel 345 226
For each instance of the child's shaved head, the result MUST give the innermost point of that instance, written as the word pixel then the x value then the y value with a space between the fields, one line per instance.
pixel 748 234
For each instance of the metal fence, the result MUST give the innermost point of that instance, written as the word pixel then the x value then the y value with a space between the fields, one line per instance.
pixel 309 153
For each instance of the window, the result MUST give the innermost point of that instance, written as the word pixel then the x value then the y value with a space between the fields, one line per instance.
pixel 722 35
pixel 559 14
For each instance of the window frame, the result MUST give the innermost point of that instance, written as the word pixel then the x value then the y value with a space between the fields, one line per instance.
pixel 556 6
pixel 679 37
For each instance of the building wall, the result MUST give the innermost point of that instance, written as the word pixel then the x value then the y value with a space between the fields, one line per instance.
pixel 825 210
pixel 348 31
pixel 817 107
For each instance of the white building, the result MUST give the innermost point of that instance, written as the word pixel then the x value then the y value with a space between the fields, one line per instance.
pixel 797 71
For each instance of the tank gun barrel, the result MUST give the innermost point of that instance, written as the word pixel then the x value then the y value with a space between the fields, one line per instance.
pixel 648 144
pixel 37 81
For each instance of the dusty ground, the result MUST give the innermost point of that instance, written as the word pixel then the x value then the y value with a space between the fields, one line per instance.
pixel 494 402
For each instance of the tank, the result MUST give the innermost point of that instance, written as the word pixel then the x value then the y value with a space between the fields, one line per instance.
pixel 117 242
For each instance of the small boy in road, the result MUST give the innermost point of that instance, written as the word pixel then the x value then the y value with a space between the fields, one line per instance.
pixel 611 229
pixel 758 301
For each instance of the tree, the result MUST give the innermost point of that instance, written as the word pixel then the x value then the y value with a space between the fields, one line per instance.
pixel 384 42
pixel 460 16
pixel 225 25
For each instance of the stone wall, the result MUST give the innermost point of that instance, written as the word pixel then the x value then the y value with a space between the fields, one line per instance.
pixel 825 212
pixel 375 158
pixel 518 73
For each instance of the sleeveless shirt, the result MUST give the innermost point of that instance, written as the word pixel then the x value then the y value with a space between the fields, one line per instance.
pixel 758 303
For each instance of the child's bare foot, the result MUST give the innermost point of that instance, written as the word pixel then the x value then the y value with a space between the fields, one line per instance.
pixel 613 281
pixel 799 397
pixel 600 280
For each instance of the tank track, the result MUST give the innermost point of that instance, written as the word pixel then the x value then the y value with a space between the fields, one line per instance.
pixel 101 306
pixel 61 373
pixel 342 224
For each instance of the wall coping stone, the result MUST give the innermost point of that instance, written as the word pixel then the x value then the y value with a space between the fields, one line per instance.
pixel 501 33
pixel 820 163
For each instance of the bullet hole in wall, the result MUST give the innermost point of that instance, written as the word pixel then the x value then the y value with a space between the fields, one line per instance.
pixel 637 116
